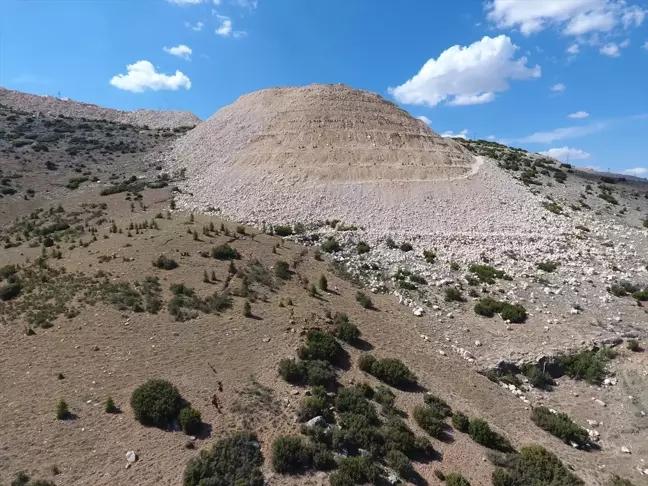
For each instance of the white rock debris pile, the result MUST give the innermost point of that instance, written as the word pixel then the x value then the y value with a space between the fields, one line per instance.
pixel 332 152
pixel 50 105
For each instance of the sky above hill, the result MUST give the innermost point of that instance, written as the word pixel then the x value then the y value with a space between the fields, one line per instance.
pixel 568 78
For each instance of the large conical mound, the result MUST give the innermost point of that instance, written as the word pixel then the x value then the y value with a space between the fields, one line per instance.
pixel 329 151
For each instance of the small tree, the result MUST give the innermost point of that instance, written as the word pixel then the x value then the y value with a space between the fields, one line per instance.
pixel 62 411
pixel 110 406
pixel 364 300
pixel 460 421
pixel 190 420
pixel 247 309
pixel 282 270
pixel 156 403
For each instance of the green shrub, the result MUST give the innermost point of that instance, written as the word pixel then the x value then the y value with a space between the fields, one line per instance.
pixel 488 307
pixel 547 266
pixel 11 289
pixel 354 470
pixel 588 365
pixel 430 256
pixel 330 245
pixel 607 197
pixel 225 252
pixel 618 481
pixel 352 400
pixel 514 313
pixel 247 309
pixel 110 406
pixel 534 466
pixel 460 421
pixel 156 403
pixel 357 432
pixel 283 230
pixel 362 248
pixel 62 411
pixel 429 420
pixel 560 425
pixel 318 404
pixel 439 405
pixel 345 330
pixel 384 397
pixel 234 460
pixel 366 362
pixel 393 372
pixel 190 420
pixel 633 345
pixel 8 271
pixel 292 371
pixel 480 432
pixel 364 300
pixel 319 373
pixel 487 274
pixel 439 475
pixel 165 263
pixel 322 458
pixel 398 436
pixel 453 294
pixel 406 247
pixel 400 463
pixel 282 270
pixel 290 454
pixel 454 479
pixel 323 346
pixel 640 295
pixel 537 377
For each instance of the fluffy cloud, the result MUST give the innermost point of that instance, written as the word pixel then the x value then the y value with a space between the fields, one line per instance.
pixel 225 28
pixel 179 51
pixel 566 153
pixel 450 134
pixel 425 119
pixel 558 88
pixel 611 50
pixel 579 114
pixel 185 2
pixel 466 75
pixel 142 75
pixel 645 46
pixel 573 49
pixel 637 171
pixel 575 17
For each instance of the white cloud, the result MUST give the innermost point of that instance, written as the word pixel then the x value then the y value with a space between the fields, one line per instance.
pixel 491 137
pixel 558 88
pixel 450 134
pixel 466 75
pixel 563 133
pixel 425 119
pixel 637 171
pixel 251 4
pixel 566 153
pixel 645 46
pixel 575 17
pixel 610 49
pixel 225 28
pixel 573 49
pixel 579 114
pixel 142 76
pixel 198 26
pixel 179 51
pixel 185 2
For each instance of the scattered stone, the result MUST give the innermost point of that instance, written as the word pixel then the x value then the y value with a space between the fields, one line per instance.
pixel 266 339
pixel 625 450
pixel 318 421
pixel 131 456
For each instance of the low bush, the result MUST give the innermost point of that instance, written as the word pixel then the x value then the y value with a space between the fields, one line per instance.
pixel 11 289
pixel 454 479
pixel 165 263
pixel 537 377
pixel 156 403
pixel 323 283
pixel 560 425
pixel 438 405
pixel 393 372
pixel 62 410
pixel 357 432
pixel 488 307
pixel 345 330
pixel 283 230
pixel 384 397
pixel 234 460
pixel 366 362
pixel 547 266
pixel 282 270
pixel 406 247
pixel 430 256
pixel 290 454
pixel 321 345
pixel 292 370
pixel 352 400
pixel 588 365
pixel 110 406
pixel 633 345
pixel 400 463
pixel 460 421
pixel 320 373
pixel 330 245
pixel 514 313
pixel 453 294
pixel 364 300
pixel 225 252
pixel 429 420
pixel 488 274
pixel 362 248
pixel 534 466
pixel 398 436
pixel 190 420
pixel 354 470
pixel 480 432
pixel 318 404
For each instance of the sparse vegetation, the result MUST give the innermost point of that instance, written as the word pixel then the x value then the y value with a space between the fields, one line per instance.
pixel 488 307
pixel 62 411
pixel 330 245
pixel 547 266
pixel 633 345
pixel 110 406
pixel 480 432
pixel 453 294
pixel 534 466
pixel 392 371
pixel 321 346
pixel 455 479
pixel 460 421
pixel 364 300
pixel 560 425
pixel 190 420
pixel 362 248
pixel 588 365
pixel 165 263
pixel 487 274
pixel 282 270
pixel 345 330
pixel 290 454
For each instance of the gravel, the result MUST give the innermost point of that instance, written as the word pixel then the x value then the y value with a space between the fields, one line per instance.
pixel 61 106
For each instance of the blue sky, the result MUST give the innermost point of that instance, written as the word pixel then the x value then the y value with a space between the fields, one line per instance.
pixel 512 70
